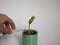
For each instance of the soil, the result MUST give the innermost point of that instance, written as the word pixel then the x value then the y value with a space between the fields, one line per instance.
pixel 32 32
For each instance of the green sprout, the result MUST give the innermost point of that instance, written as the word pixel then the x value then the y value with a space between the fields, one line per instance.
pixel 30 21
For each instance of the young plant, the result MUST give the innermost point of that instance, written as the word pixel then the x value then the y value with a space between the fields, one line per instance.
pixel 30 21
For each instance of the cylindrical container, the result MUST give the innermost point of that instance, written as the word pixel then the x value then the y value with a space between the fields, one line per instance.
pixel 30 39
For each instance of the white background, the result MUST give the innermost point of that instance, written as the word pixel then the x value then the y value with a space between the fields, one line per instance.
pixel 47 21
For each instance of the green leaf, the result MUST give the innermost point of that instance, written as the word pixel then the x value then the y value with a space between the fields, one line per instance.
pixel 31 19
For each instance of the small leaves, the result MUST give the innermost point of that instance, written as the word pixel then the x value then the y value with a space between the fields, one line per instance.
pixel 31 19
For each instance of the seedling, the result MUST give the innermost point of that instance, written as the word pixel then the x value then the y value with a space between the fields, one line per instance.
pixel 30 22
pixel 30 35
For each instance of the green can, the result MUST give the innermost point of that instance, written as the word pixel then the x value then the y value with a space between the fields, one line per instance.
pixel 30 39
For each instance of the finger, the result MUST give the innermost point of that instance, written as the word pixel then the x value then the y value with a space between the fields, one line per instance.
pixel 7 25
pixel 6 30
pixel 1 28
pixel 11 23
pixel 2 31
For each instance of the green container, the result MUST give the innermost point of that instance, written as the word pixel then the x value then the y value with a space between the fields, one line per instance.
pixel 30 39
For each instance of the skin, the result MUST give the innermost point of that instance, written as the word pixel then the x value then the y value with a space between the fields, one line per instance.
pixel 6 24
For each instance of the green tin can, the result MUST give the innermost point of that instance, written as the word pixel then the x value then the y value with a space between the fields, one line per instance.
pixel 30 39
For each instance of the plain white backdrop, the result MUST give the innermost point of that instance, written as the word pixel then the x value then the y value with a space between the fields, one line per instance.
pixel 47 21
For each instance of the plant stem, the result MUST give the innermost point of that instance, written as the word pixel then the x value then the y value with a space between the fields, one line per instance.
pixel 29 28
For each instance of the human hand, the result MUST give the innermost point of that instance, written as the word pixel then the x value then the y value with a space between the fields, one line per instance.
pixel 6 24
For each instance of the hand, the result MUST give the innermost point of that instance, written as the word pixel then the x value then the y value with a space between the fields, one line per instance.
pixel 6 24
